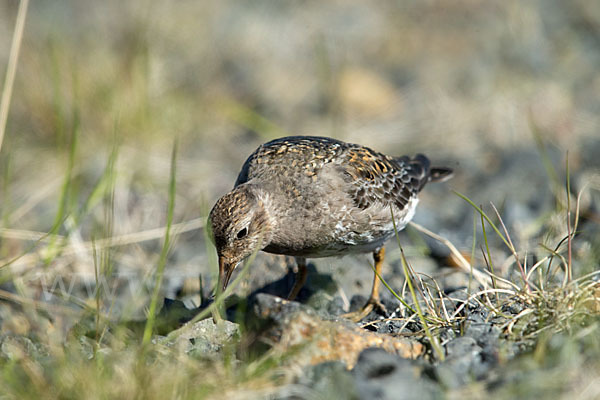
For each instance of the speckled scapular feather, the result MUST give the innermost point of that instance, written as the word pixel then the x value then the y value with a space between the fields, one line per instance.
pixel 318 197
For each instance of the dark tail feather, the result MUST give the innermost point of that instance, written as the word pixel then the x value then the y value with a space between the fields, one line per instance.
pixel 419 168
pixel 440 174
pixel 432 174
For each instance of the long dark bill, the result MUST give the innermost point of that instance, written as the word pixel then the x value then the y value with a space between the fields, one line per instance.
pixel 225 271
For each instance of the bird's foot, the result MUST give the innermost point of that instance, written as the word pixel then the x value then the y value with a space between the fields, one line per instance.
pixel 372 304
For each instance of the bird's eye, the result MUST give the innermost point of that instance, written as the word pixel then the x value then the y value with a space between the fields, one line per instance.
pixel 242 233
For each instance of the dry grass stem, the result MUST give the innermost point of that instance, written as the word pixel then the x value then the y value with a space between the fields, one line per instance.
pixel 512 248
pixel 484 280
pixel 11 69
pixel 115 241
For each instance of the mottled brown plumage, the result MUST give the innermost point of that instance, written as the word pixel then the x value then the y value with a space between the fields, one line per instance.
pixel 316 197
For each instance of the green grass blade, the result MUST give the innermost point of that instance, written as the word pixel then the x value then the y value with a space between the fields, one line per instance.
pixel 392 291
pixel 489 254
pixel 569 236
pixel 101 187
pixel 63 204
pixel 484 215
pixel 472 252
pixel 165 250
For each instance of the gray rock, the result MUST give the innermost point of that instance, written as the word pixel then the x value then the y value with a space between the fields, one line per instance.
pixel 380 375
pixel 203 339
pixel 463 357
pixel 14 347
pixel 478 327
pixel 329 380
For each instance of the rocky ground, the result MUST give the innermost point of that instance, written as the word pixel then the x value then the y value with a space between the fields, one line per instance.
pixel 504 92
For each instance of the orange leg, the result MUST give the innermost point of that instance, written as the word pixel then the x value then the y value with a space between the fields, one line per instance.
pixel 300 278
pixel 378 256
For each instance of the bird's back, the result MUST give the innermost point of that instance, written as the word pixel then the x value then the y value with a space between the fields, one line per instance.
pixel 292 157
pixel 370 177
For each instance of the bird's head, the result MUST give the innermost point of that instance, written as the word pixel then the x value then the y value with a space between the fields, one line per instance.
pixel 240 226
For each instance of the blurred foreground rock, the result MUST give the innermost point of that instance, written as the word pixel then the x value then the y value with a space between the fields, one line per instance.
pixel 379 375
pixel 203 339
pixel 290 326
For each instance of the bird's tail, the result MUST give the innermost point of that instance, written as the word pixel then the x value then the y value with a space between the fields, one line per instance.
pixel 420 169
pixel 440 174
pixel 421 165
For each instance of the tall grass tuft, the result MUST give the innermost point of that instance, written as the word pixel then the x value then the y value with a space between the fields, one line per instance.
pixel 408 279
pixel 160 269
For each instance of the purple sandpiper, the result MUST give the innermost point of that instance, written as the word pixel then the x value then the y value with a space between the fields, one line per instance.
pixel 312 197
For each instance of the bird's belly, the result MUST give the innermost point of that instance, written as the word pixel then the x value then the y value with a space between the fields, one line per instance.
pixel 357 243
pixel 339 231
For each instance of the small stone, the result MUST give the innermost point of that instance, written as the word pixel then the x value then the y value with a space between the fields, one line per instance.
pixel 330 380
pixel 463 358
pixel 203 339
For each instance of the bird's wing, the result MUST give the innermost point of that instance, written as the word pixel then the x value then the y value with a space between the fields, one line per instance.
pixel 375 178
